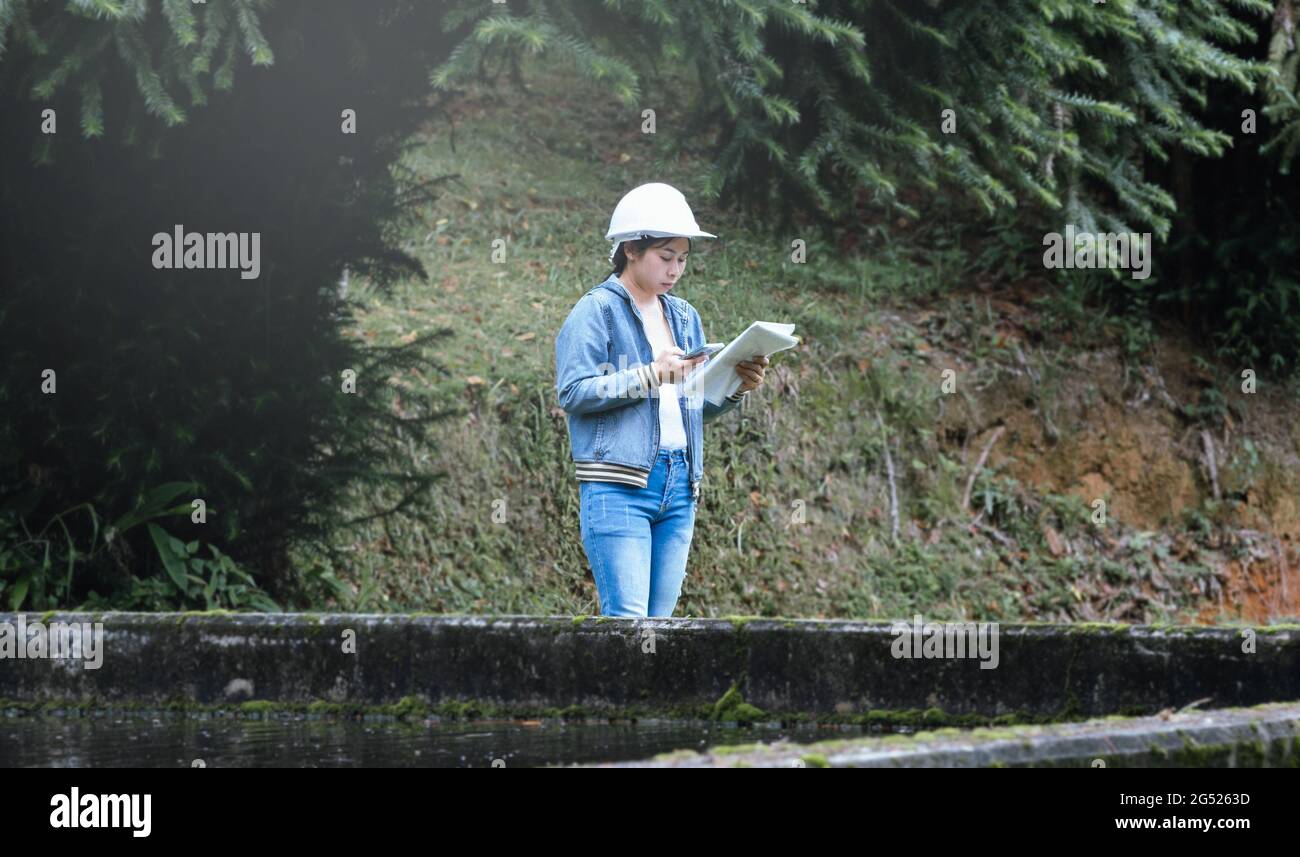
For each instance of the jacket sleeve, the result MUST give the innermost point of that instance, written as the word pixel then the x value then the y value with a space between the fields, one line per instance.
pixel 711 410
pixel 585 380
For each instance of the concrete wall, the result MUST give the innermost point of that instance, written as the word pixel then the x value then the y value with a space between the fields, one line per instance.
pixel 1265 736
pixel 672 667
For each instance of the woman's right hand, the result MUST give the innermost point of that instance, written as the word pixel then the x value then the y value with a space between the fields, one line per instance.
pixel 673 370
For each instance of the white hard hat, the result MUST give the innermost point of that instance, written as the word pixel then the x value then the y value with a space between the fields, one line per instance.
pixel 653 210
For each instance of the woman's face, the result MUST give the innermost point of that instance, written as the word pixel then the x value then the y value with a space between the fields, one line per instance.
pixel 659 268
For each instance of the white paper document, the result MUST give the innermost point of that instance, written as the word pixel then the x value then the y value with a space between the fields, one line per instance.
pixel 717 378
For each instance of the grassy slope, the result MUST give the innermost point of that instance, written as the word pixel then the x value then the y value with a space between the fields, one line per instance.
pixel 796 512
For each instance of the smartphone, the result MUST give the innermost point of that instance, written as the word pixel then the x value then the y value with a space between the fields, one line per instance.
pixel 709 348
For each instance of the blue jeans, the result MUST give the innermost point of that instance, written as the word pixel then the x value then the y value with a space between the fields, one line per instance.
pixel 637 539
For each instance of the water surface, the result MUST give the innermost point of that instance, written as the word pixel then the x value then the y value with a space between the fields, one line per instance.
pixel 170 739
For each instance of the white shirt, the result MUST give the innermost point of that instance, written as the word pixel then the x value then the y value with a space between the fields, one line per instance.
pixel 672 432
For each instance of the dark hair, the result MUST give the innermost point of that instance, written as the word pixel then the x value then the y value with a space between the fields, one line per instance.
pixel 641 245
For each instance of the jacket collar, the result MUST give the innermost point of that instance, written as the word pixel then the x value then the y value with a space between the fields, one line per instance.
pixel 669 302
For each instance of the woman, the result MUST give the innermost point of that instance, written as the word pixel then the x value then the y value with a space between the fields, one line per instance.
pixel 637 442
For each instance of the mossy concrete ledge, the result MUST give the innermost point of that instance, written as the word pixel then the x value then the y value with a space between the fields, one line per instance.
pixel 1265 736
pixel 761 668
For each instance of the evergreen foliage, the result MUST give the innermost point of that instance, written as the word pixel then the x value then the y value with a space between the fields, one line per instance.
pixel 1062 112
pixel 181 384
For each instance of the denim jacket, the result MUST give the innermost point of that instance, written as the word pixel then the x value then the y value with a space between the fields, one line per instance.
pixel 606 386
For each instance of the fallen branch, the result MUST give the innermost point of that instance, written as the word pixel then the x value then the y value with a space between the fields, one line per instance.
pixel 970 483
pixel 1006 542
pixel 1192 706
pixel 1162 391
pixel 893 489
pixel 1207 443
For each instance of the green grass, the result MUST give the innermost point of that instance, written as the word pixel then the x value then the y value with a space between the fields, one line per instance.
pixel 795 513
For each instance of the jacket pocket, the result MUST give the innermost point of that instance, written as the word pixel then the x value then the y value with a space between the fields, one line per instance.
pixel 600 436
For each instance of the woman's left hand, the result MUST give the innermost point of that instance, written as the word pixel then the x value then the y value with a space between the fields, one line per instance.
pixel 751 372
